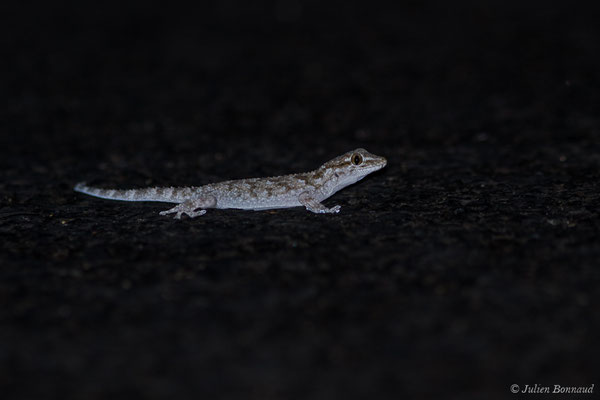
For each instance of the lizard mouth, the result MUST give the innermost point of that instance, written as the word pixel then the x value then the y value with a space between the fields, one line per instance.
pixel 377 164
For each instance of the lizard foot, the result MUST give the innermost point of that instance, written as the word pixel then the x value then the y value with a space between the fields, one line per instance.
pixel 190 206
pixel 324 210
pixel 183 208
pixel 334 210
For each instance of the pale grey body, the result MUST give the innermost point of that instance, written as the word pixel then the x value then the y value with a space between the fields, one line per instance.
pixel 304 189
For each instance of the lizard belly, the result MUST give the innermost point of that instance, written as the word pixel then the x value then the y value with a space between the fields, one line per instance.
pixel 249 202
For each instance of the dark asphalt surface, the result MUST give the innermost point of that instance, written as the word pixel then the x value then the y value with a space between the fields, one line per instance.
pixel 470 263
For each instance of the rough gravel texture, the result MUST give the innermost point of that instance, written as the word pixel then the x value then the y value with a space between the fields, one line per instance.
pixel 470 263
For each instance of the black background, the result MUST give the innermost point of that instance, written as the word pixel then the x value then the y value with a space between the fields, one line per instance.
pixel 468 264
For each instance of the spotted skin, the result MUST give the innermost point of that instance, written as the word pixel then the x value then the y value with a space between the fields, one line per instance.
pixel 307 189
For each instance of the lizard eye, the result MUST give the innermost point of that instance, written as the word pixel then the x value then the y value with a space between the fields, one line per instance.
pixel 356 159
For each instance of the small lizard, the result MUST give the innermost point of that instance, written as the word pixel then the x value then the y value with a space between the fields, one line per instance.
pixel 305 189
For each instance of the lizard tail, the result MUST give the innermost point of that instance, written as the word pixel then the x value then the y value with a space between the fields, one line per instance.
pixel 162 194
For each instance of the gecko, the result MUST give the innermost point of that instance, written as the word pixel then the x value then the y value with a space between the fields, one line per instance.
pixel 307 189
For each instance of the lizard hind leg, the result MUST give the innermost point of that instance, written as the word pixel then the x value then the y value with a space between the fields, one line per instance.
pixel 190 206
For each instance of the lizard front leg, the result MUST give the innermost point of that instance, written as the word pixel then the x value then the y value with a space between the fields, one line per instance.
pixel 190 206
pixel 312 205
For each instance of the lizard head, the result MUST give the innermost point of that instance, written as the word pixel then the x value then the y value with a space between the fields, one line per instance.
pixel 352 167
